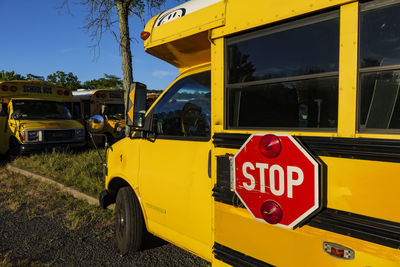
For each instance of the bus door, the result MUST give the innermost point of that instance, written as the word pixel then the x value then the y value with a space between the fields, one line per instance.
pixel 175 182
pixel 3 128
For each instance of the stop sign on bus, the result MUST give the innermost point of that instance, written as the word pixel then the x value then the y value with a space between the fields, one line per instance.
pixel 276 179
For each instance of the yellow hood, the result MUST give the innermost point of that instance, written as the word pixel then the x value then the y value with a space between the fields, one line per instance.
pixel 49 124
pixel 116 123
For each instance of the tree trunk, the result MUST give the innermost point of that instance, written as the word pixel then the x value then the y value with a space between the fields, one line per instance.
pixel 123 12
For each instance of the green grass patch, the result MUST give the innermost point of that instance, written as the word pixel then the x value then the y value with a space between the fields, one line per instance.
pixel 82 170
pixel 43 199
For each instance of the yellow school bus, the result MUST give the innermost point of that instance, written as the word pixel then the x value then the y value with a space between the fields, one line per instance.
pixel 33 117
pixel 108 103
pixel 322 74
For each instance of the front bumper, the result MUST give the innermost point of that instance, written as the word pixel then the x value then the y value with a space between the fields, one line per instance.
pixel 27 148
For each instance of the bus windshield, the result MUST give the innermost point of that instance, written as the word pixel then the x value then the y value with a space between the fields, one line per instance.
pixel 115 111
pixel 40 109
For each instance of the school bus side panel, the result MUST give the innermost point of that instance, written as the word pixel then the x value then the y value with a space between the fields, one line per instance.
pixel 259 13
pixel 358 186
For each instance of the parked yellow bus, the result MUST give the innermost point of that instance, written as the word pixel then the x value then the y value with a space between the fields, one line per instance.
pixel 108 103
pixel 322 74
pixel 33 117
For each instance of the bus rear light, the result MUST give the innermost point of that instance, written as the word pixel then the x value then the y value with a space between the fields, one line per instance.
pixel 271 212
pixel 13 88
pixel 59 92
pixel 4 88
pixel 338 251
pixel 144 35
pixel 66 92
pixel 270 145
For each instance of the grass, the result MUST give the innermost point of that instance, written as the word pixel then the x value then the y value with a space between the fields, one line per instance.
pixel 38 199
pixel 48 200
pixel 82 170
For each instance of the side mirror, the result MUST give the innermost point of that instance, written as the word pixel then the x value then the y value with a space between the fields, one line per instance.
pixel 16 116
pixel 136 105
pixel 95 124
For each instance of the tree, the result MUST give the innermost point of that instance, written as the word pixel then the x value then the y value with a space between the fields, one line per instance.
pixel 109 81
pixel 11 75
pixel 61 78
pixel 102 18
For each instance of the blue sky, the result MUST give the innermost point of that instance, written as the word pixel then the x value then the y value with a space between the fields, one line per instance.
pixel 38 38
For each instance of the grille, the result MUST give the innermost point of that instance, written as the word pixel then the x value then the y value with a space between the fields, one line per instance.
pixel 58 135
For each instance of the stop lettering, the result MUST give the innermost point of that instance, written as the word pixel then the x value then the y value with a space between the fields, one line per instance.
pixel 276 179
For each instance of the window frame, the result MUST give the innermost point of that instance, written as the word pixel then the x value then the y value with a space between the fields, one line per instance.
pixel 150 116
pixel 268 31
pixel 376 4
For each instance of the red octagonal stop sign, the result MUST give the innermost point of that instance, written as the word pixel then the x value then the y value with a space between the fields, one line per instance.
pixel 276 179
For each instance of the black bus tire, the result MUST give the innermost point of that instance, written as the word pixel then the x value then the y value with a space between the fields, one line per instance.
pixel 15 148
pixel 130 226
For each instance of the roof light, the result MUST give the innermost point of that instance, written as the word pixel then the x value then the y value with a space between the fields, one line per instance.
pixel 270 146
pixel 60 92
pixel 13 88
pixel 144 35
pixel 66 92
pixel 103 95
pixel 4 88
pixel 98 94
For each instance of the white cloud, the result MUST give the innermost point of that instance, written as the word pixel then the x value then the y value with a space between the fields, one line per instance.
pixel 161 73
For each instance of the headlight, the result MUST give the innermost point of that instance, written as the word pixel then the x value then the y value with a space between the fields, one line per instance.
pixel 32 136
pixel 79 132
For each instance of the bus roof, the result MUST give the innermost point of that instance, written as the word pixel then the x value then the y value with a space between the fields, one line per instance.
pixel 183 35
pixel 26 89
pixel 112 94
pixel 180 35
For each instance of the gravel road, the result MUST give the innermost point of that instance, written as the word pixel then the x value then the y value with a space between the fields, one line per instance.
pixel 31 236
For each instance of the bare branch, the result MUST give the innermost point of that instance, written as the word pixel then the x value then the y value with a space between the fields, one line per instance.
pixel 64 6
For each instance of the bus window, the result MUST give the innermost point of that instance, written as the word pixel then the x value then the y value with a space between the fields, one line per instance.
pixel 76 110
pixel 285 76
pixel 40 109
pixel 115 111
pixel 185 110
pixel 379 107
pixel 86 109
pixel 3 109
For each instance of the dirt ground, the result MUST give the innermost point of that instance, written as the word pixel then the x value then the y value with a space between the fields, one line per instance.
pixel 40 227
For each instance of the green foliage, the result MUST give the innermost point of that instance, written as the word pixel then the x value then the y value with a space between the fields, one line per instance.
pixel 68 80
pixel 109 81
pixel 154 91
pixel 11 75
pixel 84 171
